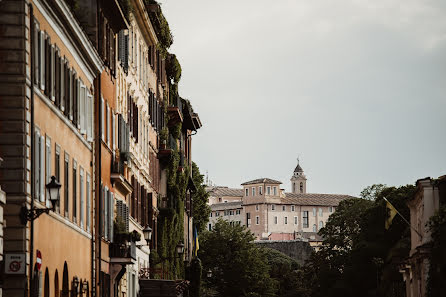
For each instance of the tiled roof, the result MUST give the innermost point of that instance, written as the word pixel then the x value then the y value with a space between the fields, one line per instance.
pixel 262 180
pixel 226 205
pixel 224 191
pixel 314 199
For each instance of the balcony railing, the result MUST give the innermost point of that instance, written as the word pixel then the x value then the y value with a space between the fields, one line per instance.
pixel 175 110
pixel 122 253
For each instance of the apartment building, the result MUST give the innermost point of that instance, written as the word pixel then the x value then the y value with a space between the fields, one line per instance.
pixel 271 213
pixel 47 89
pixel 84 98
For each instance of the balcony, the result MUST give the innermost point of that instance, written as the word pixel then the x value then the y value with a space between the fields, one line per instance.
pixel 175 111
pixel 118 179
pixel 167 148
pixel 122 253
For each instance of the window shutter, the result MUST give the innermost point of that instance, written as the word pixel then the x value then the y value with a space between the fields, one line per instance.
pixel 121 47
pixel 88 201
pixel 126 53
pixel 53 73
pixel 36 53
pixel 111 216
pixel 90 117
pixel 48 66
pixel 83 111
pixel 113 131
pixel 42 60
pixel 48 165
pixel 42 168
pixel 71 93
pixel 37 164
pixel 107 122
pixel 105 213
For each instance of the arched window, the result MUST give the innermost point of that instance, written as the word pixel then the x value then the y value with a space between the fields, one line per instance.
pixel 294 187
pixel 321 224
pixel 46 288
pixel 65 282
pixel 56 284
pixel 314 228
pixel 301 187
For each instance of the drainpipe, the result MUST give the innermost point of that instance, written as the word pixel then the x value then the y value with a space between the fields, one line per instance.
pixel 98 138
pixel 33 178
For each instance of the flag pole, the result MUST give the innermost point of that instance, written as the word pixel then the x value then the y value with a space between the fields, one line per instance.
pixel 406 221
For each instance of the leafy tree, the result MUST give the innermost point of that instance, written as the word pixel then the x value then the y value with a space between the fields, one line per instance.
pixel 285 271
pixel 359 257
pixel 372 192
pixel 239 267
pixel 201 209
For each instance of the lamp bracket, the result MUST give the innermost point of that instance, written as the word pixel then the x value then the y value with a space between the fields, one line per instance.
pixel 31 214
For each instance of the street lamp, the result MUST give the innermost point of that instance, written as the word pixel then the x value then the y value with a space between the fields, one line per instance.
pixel 180 248
pixel 147 234
pixel 53 189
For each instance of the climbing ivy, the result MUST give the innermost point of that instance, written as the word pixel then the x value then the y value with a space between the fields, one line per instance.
pixel 171 218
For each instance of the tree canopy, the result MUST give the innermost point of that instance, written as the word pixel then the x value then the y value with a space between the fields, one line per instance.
pixel 201 209
pixel 239 267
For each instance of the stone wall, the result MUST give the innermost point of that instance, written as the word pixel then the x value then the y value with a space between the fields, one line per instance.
pixel 296 249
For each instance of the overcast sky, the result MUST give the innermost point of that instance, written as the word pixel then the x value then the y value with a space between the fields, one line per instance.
pixel 356 89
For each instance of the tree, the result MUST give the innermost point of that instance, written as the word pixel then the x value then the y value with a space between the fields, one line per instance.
pixel 436 285
pixel 359 257
pixel 372 192
pixel 239 267
pixel 285 271
pixel 201 209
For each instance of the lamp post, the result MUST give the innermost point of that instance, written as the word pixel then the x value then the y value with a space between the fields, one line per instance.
pixel 53 190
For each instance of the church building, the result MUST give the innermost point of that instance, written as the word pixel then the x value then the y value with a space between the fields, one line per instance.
pixel 271 213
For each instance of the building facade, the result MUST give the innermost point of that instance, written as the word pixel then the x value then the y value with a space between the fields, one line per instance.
pixel 428 198
pixel 84 97
pixel 272 214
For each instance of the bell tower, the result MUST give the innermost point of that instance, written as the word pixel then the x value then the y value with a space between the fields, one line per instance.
pixel 298 180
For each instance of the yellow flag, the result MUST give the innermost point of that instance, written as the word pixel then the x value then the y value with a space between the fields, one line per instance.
pixel 392 214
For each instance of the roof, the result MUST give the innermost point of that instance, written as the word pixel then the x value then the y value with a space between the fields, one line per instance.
pixel 314 199
pixel 298 168
pixel 226 205
pixel 224 191
pixel 262 180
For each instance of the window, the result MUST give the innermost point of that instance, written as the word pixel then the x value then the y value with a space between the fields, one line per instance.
pixel 48 165
pixel 295 220
pixel 320 211
pixel 88 189
pixel 274 191
pixel 283 207
pixel 210 227
pixel 248 219
pixel 106 207
pixel 237 211
pixel 257 207
pixel 231 212
pixel 81 196
pixel 273 206
pixel 294 187
pixel 285 220
pixel 89 112
pixel 210 215
pixel 321 224
pixel 260 190
pixel 74 191
pixel 246 192
pixel 275 220
pixel 330 209
pixel 57 171
pixel 314 211
pixel 292 208
pixel 42 63
pixel 301 187
pixel 36 49
pixel 305 219
pixel 314 228
pixel 217 213
pixel 66 183
pixel 268 190
pixel 253 191
pixel 83 108
pixel 257 220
